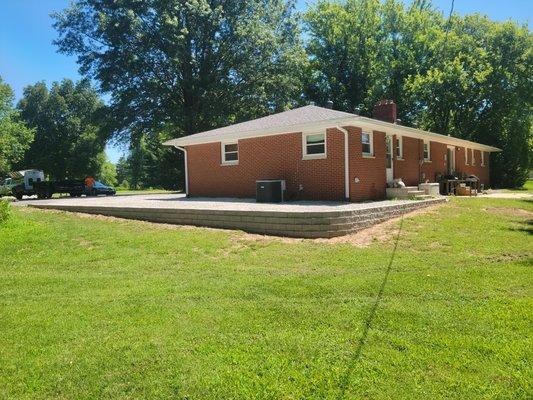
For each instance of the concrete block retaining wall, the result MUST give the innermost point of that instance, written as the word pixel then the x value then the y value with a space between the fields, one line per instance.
pixel 293 224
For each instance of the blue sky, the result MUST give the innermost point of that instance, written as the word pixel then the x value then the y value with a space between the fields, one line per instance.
pixel 27 54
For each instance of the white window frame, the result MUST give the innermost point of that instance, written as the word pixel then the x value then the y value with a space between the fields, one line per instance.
pixel 482 158
pixel 306 156
pixel 371 142
pixel 399 146
pixel 473 158
pixel 466 156
pixel 223 153
pixel 428 158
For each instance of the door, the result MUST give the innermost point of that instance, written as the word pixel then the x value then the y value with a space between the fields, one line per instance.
pixel 450 161
pixel 390 172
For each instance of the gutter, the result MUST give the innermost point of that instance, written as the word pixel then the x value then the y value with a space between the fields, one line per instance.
pixel 358 121
pixel 186 170
pixel 415 133
pixel 346 164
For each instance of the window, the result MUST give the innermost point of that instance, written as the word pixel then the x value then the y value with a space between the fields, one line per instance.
pixel 473 158
pixel 230 153
pixel 482 158
pixel 367 141
pixel 427 153
pixel 466 156
pixel 399 147
pixel 314 145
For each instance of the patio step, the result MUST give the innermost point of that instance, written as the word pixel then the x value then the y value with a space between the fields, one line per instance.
pixel 405 192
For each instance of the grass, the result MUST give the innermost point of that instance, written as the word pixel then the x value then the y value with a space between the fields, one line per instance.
pixel 528 187
pixel 92 308
pixel 5 211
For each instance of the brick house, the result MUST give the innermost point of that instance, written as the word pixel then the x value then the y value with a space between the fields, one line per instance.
pixel 324 154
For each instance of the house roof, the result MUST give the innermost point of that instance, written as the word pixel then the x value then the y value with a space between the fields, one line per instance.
pixel 312 119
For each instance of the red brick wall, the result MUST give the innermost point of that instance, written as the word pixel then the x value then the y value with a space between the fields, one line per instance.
pixel 370 172
pixel 437 163
pixel 482 172
pixel 408 168
pixel 269 157
pixel 280 157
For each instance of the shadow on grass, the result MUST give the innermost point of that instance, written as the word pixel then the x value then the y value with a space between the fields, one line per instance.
pixel 525 226
pixel 370 318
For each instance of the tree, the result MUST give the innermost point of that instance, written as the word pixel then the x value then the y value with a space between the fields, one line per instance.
pixel 481 89
pixel 467 77
pixel 344 51
pixel 184 67
pixel 68 118
pixel 15 137
pixel 108 173
pixel 149 164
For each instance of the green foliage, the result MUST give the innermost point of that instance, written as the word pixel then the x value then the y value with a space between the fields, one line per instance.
pixel 5 211
pixel 481 89
pixel 126 309
pixel 184 67
pixel 69 123
pixel 108 173
pixel 469 78
pixel 15 137
pixel 149 164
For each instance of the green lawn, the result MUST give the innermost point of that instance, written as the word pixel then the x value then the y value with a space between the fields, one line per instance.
pixel 96 308
pixel 528 187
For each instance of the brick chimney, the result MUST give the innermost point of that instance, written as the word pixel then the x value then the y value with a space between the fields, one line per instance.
pixel 385 110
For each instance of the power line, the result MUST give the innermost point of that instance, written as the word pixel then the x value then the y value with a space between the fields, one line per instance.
pixel 448 25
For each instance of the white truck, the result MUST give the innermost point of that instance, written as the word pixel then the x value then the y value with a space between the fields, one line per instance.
pixel 21 183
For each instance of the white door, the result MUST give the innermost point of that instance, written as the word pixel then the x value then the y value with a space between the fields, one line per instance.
pixel 390 172
pixel 450 160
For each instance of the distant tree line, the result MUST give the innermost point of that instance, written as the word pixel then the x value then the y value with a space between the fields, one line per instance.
pixel 174 68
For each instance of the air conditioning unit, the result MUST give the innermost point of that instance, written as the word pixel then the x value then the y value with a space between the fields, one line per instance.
pixel 269 190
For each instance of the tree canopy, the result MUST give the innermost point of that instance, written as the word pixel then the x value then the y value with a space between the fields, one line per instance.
pixel 174 68
pixel 468 76
pixel 15 136
pixel 186 66
pixel 68 120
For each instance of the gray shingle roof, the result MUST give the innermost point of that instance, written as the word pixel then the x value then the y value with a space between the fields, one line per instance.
pixel 301 115
pixel 309 117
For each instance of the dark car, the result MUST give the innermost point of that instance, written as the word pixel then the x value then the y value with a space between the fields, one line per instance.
pixel 100 188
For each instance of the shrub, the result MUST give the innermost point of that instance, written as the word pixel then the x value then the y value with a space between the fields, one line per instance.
pixel 4 211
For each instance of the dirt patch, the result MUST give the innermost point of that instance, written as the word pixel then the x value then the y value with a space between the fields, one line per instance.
pixel 380 233
pixel 510 212
pixel 509 257
pixel 85 243
pixel 501 194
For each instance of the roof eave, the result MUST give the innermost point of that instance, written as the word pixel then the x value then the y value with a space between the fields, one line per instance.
pixel 362 122
pixel 422 134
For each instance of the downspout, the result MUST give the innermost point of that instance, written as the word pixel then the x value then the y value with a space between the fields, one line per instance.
pixel 186 171
pixel 346 165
